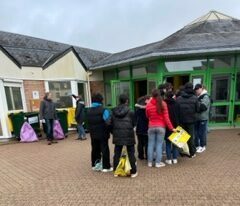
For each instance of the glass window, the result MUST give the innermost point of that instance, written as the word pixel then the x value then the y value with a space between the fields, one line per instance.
pixel 61 93
pixel 109 75
pixel 108 95
pixel 152 84
pixel 139 71
pixel 238 62
pixel 152 68
pixel 122 88
pixel 221 62
pixel 220 87
pixel 14 98
pixel 81 90
pixel 238 87
pixel 124 73
pixel 237 114
pixel 189 65
pixel 219 114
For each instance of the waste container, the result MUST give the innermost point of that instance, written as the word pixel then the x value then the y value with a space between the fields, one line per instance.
pixel 33 119
pixel 17 120
pixel 62 116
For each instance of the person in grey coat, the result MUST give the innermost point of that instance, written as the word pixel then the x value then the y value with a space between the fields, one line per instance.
pixel 47 115
pixel 202 118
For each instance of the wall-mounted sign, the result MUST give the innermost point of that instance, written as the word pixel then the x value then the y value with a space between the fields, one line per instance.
pixel 35 94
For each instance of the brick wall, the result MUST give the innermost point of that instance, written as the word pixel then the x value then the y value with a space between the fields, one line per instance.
pixel 97 86
pixel 29 87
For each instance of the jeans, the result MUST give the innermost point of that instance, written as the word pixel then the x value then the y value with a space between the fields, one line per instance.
pixel 81 131
pixel 201 133
pixel 49 129
pixel 131 156
pixel 171 150
pixel 155 141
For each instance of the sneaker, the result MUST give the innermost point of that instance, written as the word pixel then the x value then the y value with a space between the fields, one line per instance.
pixel 169 162
pixel 149 164
pixel 115 175
pixel 202 149
pixel 49 143
pixel 175 161
pixel 134 175
pixel 161 164
pixel 107 170
pixel 193 156
pixel 199 149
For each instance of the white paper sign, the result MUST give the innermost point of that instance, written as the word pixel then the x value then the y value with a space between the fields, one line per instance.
pixel 35 94
pixel 197 81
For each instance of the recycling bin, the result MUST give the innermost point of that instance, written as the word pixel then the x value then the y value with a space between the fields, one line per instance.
pixel 33 119
pixel 63 119
pixel 17 120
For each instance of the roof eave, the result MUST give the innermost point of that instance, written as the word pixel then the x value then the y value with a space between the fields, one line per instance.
pixel 168 54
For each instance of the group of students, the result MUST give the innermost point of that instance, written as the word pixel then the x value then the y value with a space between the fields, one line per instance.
pixel 155 118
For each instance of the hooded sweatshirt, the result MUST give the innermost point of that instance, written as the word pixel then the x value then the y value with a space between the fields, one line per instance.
pixel 156 119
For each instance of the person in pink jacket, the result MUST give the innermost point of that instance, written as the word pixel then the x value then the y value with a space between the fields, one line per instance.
pixel 157 113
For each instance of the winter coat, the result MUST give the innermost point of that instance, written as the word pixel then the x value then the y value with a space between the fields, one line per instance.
pixel 47 110
pixel 79 112
pixel 122 125
pixel 205 102
pixel 172 111
pixel 155 119
pixel 187 107
pixel 141 119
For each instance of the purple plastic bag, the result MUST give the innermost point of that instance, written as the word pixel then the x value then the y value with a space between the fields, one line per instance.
pixel 57 130
pixel 27 133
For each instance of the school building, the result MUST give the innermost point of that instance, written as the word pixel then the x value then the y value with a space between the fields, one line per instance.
pixel 30 66
pixel 205 51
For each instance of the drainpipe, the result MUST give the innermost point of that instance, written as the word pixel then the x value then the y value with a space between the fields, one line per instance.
pixel 89 73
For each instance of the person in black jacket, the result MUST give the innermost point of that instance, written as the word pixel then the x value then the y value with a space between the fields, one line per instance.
pixel 123 123
pixel 188 106
pixel 79 117
pixel 47 115
pixel 97 118
pixel 142 126
pixel 171 149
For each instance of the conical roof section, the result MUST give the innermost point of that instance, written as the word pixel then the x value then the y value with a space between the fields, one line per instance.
pixel 211 16
pixel 212 33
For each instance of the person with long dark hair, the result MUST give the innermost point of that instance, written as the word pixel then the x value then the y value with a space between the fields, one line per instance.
pixel 47 115
pixel 157 113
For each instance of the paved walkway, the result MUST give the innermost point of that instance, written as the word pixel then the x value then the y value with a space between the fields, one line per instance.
pixel 60 174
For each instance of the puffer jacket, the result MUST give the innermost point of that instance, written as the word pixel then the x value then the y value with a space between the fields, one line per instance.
pixel 122 125
pixel 188 106
pixel 141 119
pixel 155 119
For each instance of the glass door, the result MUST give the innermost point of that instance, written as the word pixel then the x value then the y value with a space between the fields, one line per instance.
pixel 118 88
pixel 220 94
pixel 151 84
pixel 236 115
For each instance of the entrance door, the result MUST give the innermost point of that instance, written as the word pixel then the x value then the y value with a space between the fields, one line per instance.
pixel 220 94
pixel 118 88
pixel 140 89
pixel 177 80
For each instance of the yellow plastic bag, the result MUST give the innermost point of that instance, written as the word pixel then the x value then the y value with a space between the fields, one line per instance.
pixel 180 139
pixel 123 169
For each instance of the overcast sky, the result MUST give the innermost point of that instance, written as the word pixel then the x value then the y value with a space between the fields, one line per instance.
pixel 106 25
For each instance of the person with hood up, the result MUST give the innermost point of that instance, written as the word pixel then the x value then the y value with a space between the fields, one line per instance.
pixel 47 115
pixel 123 122
pixel 142 126
pixel 79 117
pixel 188 106
pixel 157 113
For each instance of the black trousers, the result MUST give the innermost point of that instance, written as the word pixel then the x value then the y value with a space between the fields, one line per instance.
pixel 100 150
pixel 131 156
pixel 190 129
pixel 142 146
